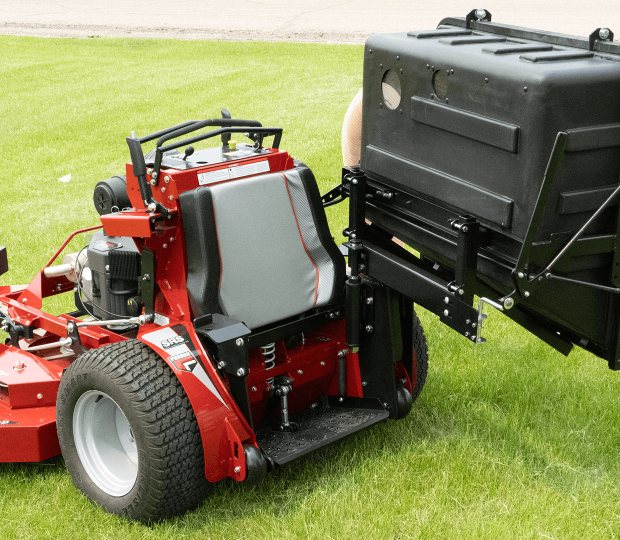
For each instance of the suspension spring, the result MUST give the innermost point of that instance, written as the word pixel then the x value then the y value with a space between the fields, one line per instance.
pixel 269 356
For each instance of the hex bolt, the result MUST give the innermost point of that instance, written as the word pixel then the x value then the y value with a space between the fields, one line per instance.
pixel 107 267
pixel 39 396
pixel 146 277
pixel 24 301
pixel 508 303
pixel 237 470
pixel 300 372
pixel 19 365
pixel 239 342
pixel 354 181
pixel 241 372
pixel 221 364
pixel 446 300
pixel 364 383
pixel 369 328
pixel 464 228
pixel 362 267
pixel 171 198
pixel 467 334
pixel 153 182
pixel 163 190
pixel 467 321
pixel 526 293
pixel 323 364
pixel 473 338
pixel 254 389
pixel 525 88
pixel 369 300
pixel 154 174
pixel 165 246
pixel 446 312
pixel 461 292
pixel 166 179
pixel 603 33
pixel 473 325
pixel 480 14
pixel 520 275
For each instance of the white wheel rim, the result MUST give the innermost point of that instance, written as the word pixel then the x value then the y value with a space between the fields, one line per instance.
pixel 105 443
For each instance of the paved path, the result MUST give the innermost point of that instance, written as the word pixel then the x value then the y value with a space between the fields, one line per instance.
pixel 327 21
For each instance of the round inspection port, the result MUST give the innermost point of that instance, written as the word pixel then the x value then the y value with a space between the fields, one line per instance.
pixel 440 83
pixel 390 86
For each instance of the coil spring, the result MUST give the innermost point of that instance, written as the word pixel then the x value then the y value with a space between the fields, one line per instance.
pixel 269 356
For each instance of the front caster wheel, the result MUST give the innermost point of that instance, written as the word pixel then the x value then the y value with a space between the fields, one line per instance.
pixel 128 434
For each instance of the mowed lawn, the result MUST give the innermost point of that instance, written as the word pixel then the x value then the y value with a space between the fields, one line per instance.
pixel 508 440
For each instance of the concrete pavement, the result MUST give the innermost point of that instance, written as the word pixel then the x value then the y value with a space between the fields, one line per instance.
pixel 327 21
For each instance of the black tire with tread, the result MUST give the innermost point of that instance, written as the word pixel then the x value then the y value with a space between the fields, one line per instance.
pixel 421 352
pixel 171 478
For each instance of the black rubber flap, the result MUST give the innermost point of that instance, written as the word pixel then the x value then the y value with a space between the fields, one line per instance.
pixel 330 421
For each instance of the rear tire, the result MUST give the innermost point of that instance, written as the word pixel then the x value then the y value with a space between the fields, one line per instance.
pixel 409 390
pixel 128 433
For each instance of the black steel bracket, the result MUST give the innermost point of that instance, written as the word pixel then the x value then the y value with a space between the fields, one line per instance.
pixel 477 15
pixel 334 196
pixel 229 336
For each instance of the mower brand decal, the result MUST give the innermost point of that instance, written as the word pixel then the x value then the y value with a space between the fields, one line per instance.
pixel 233 172
pixel 8 423
pixel 172 342
pixel 184 359
pixel 103 245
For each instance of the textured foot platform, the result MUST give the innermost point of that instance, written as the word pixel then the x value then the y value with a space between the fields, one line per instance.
pixel 328 422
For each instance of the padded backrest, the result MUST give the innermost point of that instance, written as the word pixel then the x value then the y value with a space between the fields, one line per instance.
pixel 259 249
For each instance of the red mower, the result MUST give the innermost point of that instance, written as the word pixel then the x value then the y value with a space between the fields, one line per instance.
pixel 218 331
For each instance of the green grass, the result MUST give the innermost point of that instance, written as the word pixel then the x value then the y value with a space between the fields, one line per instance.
pixel 508 440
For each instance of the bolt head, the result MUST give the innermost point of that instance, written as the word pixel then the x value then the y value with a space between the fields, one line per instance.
pixel 254 389
pixel 155 174
pixel 446 300
pixel 39 396
pixel 241 372
pixel 473 338
pixel 239 342
pixel 354 181
pixel 603 33
pixel 165 246
pixel 508 303
pixel 481 14
pixel 370 300
pixel 153 182
pixel 364 383
pixel 520 275
pixel 166 179
pixel 171 198
pixel 221 364
pixel 446 312
pixel 323 364
pixel 369 328
pixel 237 470
pixel 172 238
pixel 300 372
pixel 461 292
pixel 526 293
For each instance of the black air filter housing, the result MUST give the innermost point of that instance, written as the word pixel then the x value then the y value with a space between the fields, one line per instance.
pixel 111 195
